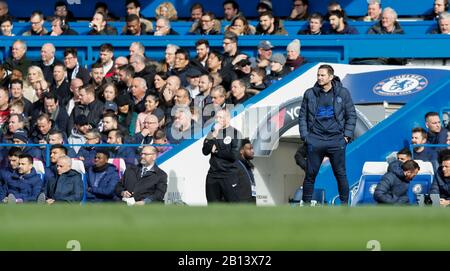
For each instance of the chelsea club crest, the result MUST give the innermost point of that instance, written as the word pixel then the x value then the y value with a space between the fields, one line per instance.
pixel 400 85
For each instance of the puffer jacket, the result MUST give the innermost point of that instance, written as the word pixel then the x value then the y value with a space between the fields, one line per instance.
pixel 393 188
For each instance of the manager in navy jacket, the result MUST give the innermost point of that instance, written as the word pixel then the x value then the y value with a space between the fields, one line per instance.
pixel 327 122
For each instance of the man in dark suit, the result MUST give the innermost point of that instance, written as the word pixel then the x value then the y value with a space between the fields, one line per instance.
pixel 143 184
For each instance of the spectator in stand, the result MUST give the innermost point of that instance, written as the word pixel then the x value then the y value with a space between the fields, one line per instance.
pixel 169 58
pixel 243 70
pixel 163 27
pixel 61 28
pixel 87 153
pixel 106 58
pixel 4 106
pixel 263 6
pixel 41 128
pixel 393 187
pixel 35 84
pixel 151 107
pixel 21 137
pixel 120 61
pixel 126 115
pixel 68 185
pixel 37 25
pixel 146 183
pixel 269 26
pixel 373 11
pixel 134 27
pixel 78 133
pixel 439 6
pixel 61 10
pixel 6 26
pixel 134 7
pixel 102 179
pixel 150 126
pixel 17 107
pixel 419 136
pixel 102 7
pixel 128 154
pixel 231 53
pixel 57 113
pixel 109 93
pixel 240 26
pixel 167 10
pixel 97 79
pixel 193 80
pixel 435 135
pixel 239 94
pixel 60 86
pixel 388 23
pixel 75 86
pixel 333 5
pixel 257 81
pixel 16 93
pixel 74 69
pixel 216 68
pixel 294 59
pixel 136 48
pixel 4 11
pixel 24 185
pixel 196 12
pixel 441 181
pixel 182 66
pixel 443 24
pixel 315 23
pixel 299 10
pixel 18 59
pixel 100 26
pixel 8 170
pixel 264 54
pixel 138 93
pixel 125 79
pixel 207 25
pixel 205 85
pixel 338 25
pixel 48 61
pixel 183 126
pixel 278 69
pixel 160 138
pixel 146 72
pixel 16 122
pixel 230 10
pixel 202 49
pixel 88 106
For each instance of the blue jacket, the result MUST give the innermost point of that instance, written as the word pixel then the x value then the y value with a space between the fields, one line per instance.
pixel 5 174
pixel 34 152
pixel 344 110
pixel 88 153
pixel 441 185
pixel 437 138
pixel 50 176
pixel 26 187
pixel 393 188
pixel 128 154
pixel 104 190
pixel 66 187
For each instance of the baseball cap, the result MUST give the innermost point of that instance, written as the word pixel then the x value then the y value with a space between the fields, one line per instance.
pixel 265 45
pixel 110 106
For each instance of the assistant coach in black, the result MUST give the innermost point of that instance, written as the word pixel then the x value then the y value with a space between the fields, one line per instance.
pixel 327 121
pixel 223 143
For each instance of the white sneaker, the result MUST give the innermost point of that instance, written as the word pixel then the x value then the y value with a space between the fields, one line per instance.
pixel 129 201
pixel 11 199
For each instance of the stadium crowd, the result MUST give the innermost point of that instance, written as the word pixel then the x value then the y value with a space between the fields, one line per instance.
pixel 134 99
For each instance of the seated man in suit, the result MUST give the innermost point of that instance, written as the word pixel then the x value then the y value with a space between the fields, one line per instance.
pixel 143 184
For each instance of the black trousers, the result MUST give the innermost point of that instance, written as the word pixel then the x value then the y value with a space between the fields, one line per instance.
pixel 335 151
pixel 222 188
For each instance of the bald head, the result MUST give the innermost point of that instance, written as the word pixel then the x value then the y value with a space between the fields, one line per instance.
pixel 47 52
pixel 173 83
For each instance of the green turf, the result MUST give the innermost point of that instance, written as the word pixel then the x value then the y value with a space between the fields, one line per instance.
pixel 117 227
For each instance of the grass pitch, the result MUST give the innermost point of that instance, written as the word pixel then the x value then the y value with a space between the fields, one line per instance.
pixel 182 228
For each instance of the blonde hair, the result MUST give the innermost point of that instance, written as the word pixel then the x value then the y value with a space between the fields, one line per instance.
pixel 172 12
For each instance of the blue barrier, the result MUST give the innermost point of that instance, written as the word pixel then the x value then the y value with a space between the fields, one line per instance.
pixel 327 48
pixel 292 27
